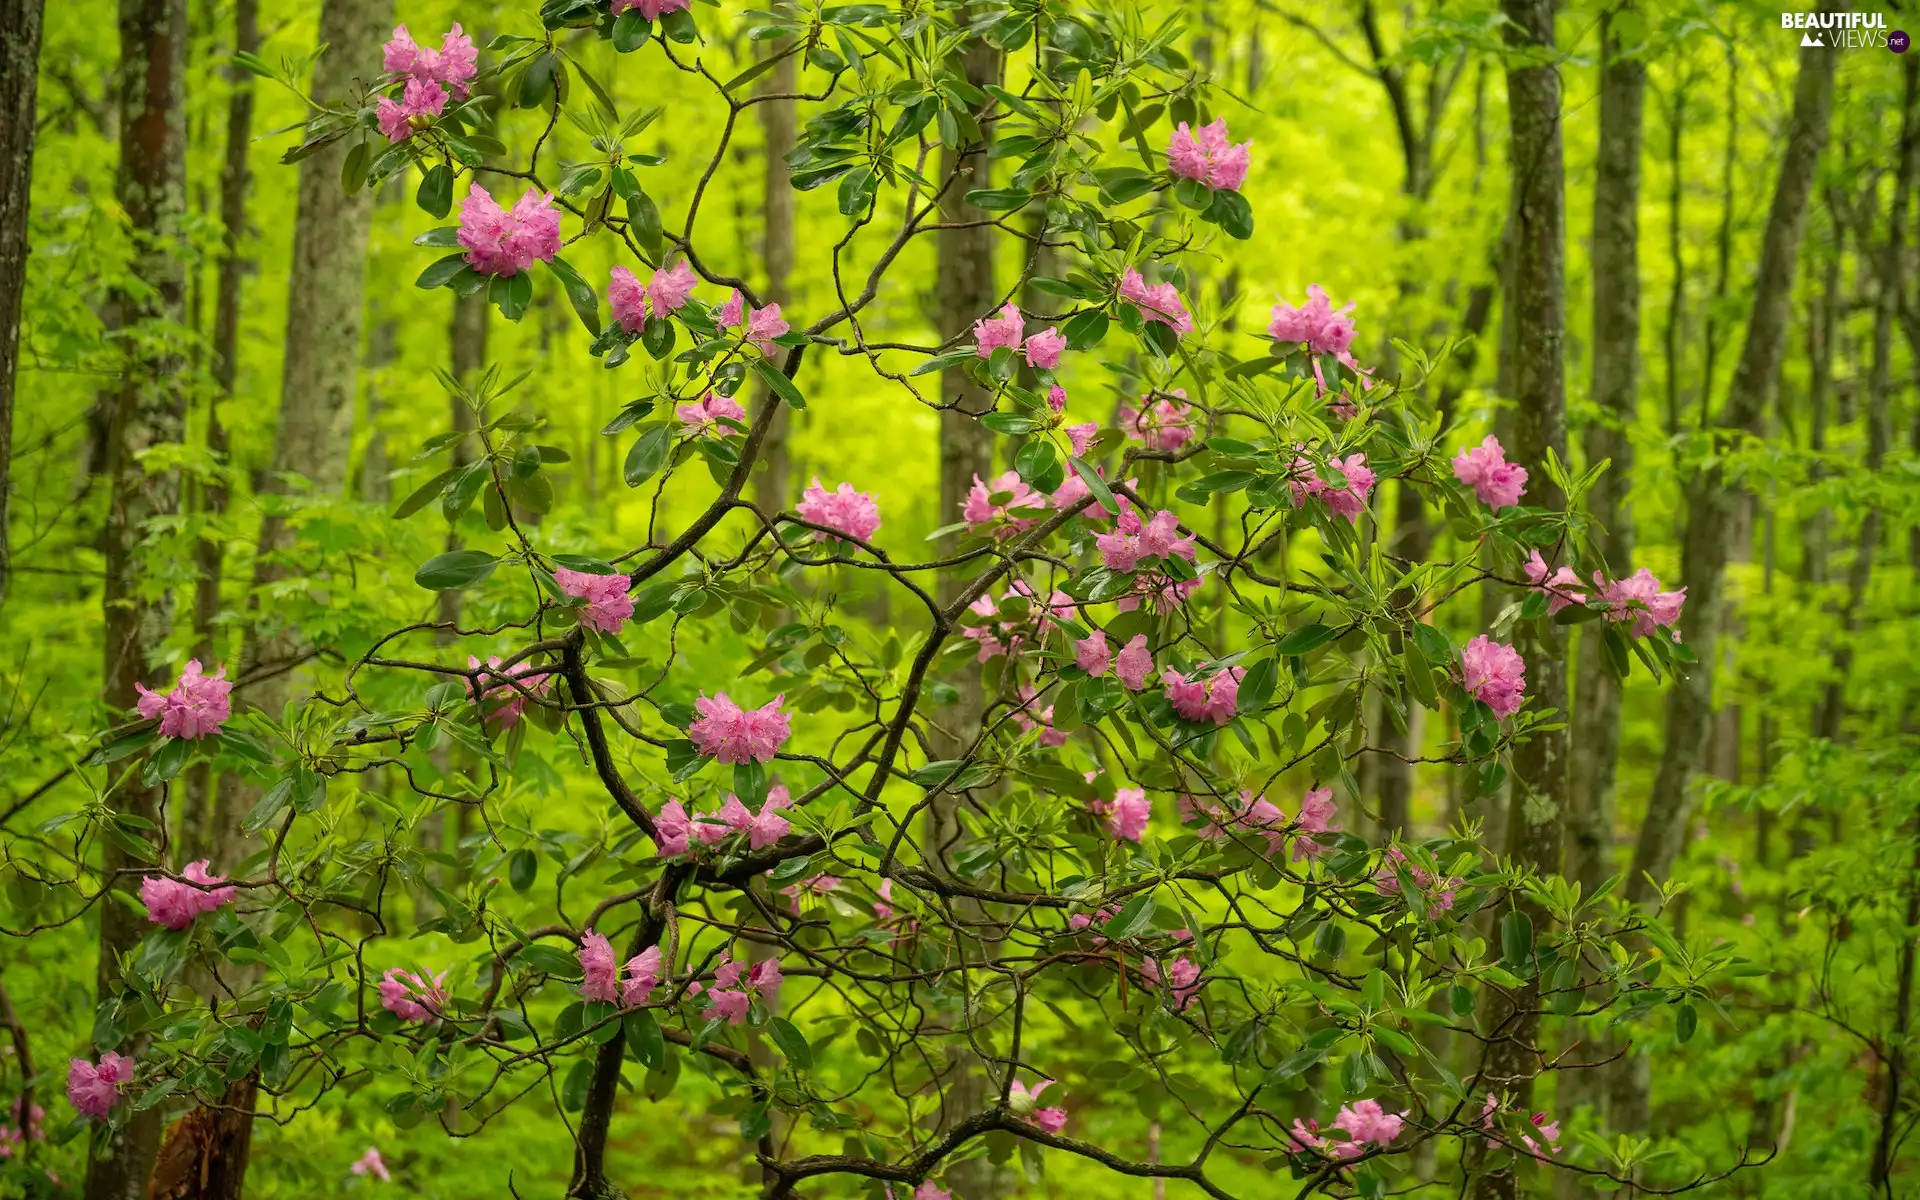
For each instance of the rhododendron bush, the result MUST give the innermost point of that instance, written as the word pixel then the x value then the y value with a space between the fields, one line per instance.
pixel 896 896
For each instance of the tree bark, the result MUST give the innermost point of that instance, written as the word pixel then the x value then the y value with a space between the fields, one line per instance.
pixel 1536 308
pixel 149 410
pixel 322 367
pixel 19 85
pixel 1704 548
pixel 773 489
pixel 1616 391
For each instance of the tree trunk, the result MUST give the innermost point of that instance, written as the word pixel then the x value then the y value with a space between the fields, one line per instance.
pixel 1536 307
pixel 322 367
pixel 149 410
pixel 1704 549
pixel 773 489
pixel 1616 391
pixel 19 83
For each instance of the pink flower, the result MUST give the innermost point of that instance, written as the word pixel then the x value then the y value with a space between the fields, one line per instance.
pixel 1023 1102
pixel 1182 979
pixel 628 299
pixel 1021 509
pixel 372 1164
pixel 175 904
pixel 762 829
pixel 1317 811
pixel 672 829
pixel 1560 589
pixel 764 325
pixel 1314 323
pixel 1440 893
pixel 766 979
pixel 671 287
pixel 94 1090
pixel 726 1004
pixel 1043 349
pixel 1365 1122
pixel 1637 597
pixel 196 707
pixel 1209 158
pixel 1133 541
pixel 643 974
pixel 1127 814
pixel 735 735
pixel 422 98
pixel 1494 674
pixel 602 983
pixel 994 333
pixel 1028 718
pixel 1080 437
pixel 1057 398
pixel 1347 498
pixel 1165 424
pixel 856 514
pixel 728 1001
pixel 702 417
pixel 503 703
pixel 608 604
pixel 1092 654
pixel 930 1191
pixel 650 9
pixel 413 997
pixel 1134 663
pixel 1213 699
pixel 1157 302
pixel 1486 470
pixel 505 243
pixel 454 64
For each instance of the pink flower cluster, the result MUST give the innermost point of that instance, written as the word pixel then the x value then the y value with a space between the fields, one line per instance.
pixel 1023 1101
pixel 1314 324
pixel 1000 634
pixel 603 983
pixel 1440 892
pixel 1126 815
pixel 730 1002
pixel 1485 469
pixel 1156 301
pixel 1549 1131
pixel 1009 329
pixel 1162 425
pixel 1638 598
pixel 1345 499
pixel 731 734
pixel 1559 587
pixel 196 707
pixel 856 514
pixel 666 292
pixel 704 417
pixel 499 242
pixel 1209 157
pixel 1131 666
pixel 757 325
pixel 1364 1122
pixel 174 904
pixel 607 603
pixel 504 702
pixel 1256 816
pixel 94 1090
pixel 678 829
pixel 1020 509
pixel 650 9
pixel 1133 541
pixel 414 997
pixel 1494 674
pixel 1215 698
pixel 432 76
pixel 371 1164
pixel 1182 979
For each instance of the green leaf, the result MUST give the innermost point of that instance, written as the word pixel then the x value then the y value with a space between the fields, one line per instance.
pixel 1085 330
pixel 550 960
pixel 778 383
pixel 1685 1022
pixel 644 1038
pixel 423 495
pixel 792 1043
pixel 1102 495
pixel 167 760
pixel 435 196
pixel 648 455
pixel 580 293
pixel 953 358
pixel 1193 194
pixel 523 867
pixel 455 569
pixel 1132 920
pixel 1231 212
pixel 353 170
pixel 442 271
pixel 644 217
pixel 1000 199
pixel 1303 639
pixel 511 294
pixel 630 31
pixel 1516 940
pixel 1256 689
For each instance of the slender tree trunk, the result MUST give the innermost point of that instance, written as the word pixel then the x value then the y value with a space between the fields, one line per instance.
pixel 1880 1174
pixel 150 410
pixel 322 368
pixel 1537 303
pixel 1704 549
pixel 19 83
pixel 1616 391
pixel 773 489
